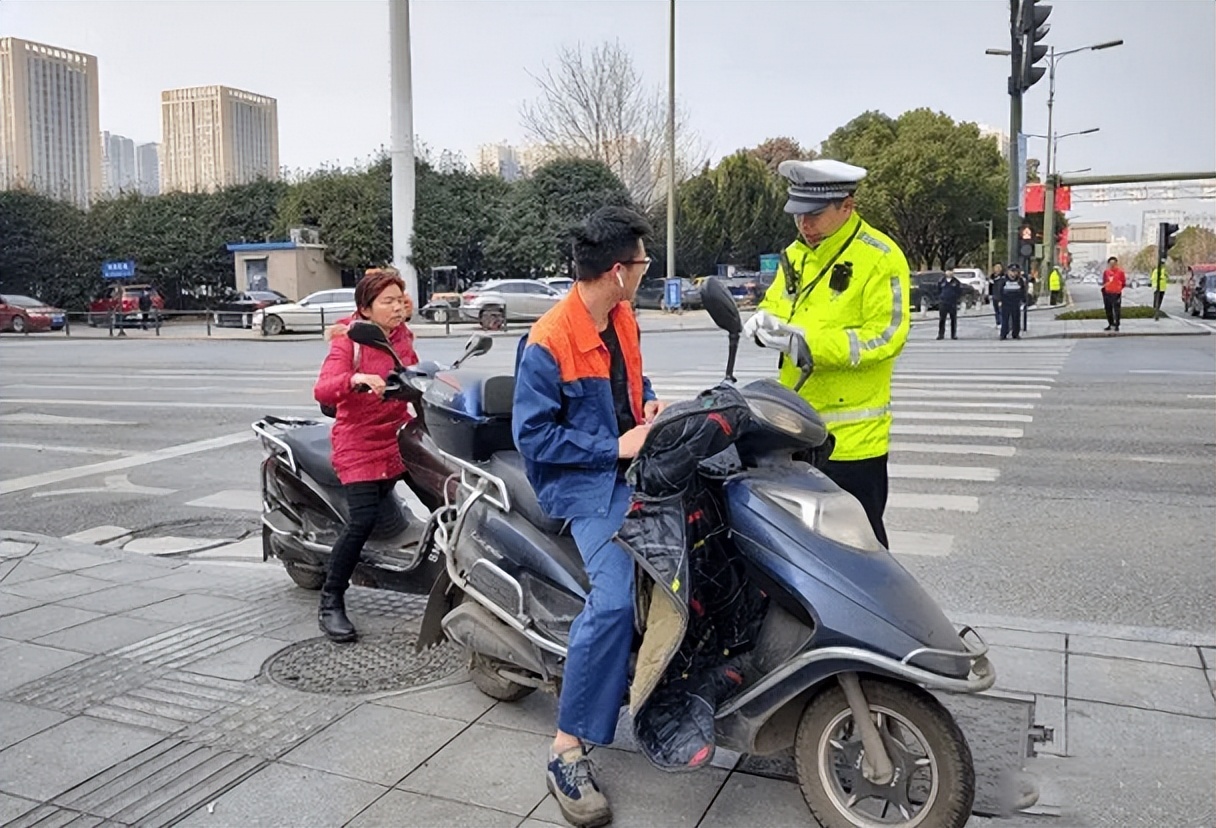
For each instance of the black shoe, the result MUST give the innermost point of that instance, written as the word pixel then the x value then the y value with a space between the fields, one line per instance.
pixel 1108 328
pixel 941 337
pixel 571 780
pixel 332 618
pixel 954 337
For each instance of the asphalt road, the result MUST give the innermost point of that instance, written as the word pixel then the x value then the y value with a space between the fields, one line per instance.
pixel 1071 480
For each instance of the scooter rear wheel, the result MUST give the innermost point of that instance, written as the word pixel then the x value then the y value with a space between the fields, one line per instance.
pixel 934 786
pixel 304 578
pixel 486 678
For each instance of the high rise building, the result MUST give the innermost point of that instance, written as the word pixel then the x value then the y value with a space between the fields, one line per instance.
pixel 499 159
pixel 999 135
pixel 118 173
pixel 50 133
pixel 214 137
pixel 147 168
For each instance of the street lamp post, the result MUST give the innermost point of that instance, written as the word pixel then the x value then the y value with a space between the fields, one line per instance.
pixel 1049 201
pixel 671 142
pixel 402 154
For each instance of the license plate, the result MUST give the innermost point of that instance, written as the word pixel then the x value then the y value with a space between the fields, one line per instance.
pixel 57 319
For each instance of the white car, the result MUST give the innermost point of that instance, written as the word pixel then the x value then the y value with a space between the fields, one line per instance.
pixel 524 300
pixel 559 283
pixel 312 313
pixel 973 277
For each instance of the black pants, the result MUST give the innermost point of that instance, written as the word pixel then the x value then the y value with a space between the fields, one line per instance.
pixel 866 480
pixel 1158 295
pixel 996 308
pixel 944 311
pixel 364 502
pixel 1011 317
pixel 1113 302
pixel 1057 296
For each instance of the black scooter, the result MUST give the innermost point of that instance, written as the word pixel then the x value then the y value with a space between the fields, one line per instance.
pixel 849 644
pixel 303 505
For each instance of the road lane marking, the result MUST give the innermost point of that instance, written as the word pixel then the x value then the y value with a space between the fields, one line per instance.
pixel 897 393
pixel 926 544
pixel 933 502
pixel 898 404
pixel 964 417
pixel 34 418
pixel 64 449
pixel 34 481
pixel 258 406
pixel 951 448
pixel 1156 371
pixel 955 431
pixel 910 471
pixel 235 499
pixel 960 385
pixel 129 388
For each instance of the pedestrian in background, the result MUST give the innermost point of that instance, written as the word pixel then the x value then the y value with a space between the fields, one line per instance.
pixel 1113 281
pixel 1032 293
pixel 145 308
pixel 1012 290
pixel 1055 284
pixel 1161 282
pixel 994 294
pixel 949 291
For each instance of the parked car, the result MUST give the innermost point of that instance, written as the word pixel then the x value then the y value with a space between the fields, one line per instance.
pixel 312 313
pixel 924 293
pixel 1203 295
pixel 25 313
pixel 515 300
pixel 559 283
pixel 123 302
pixel 652 294
pixel 237 310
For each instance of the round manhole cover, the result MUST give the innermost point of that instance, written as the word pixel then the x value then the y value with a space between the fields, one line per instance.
pixel 376 663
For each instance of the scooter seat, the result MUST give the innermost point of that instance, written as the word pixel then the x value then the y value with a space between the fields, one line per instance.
pixel 313 452
pixel 508 466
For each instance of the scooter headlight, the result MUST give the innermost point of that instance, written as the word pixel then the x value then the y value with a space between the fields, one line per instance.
pixel 836 516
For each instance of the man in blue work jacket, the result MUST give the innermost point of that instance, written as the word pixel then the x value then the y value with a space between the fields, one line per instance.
pixel 582 409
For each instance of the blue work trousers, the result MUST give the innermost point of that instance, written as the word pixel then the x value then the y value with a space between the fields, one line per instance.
pixel 597 658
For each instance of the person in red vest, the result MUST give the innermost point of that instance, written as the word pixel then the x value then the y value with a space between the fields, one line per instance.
pixel 1113 280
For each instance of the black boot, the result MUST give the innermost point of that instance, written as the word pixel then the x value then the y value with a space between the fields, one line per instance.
pixel 333 620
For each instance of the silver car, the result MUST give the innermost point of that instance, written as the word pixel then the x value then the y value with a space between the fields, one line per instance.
pixel 515 300
pixel 312 313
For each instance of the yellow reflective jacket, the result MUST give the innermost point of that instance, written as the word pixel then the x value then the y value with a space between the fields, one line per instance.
pixel 854 333
pixel 1161 279
pixel 1053 281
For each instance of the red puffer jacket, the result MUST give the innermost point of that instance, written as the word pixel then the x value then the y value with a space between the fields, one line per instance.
pixel 364 436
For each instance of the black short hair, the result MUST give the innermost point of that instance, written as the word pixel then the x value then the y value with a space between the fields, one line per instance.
pixel 609 235
pixel 1114 259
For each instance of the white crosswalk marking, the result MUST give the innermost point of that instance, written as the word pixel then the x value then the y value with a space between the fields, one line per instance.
pixel 958 409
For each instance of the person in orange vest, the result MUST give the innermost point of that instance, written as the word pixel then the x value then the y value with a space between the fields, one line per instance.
pixel 1113 281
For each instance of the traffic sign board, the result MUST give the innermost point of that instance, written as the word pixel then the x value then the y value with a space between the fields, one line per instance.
pixel 115 269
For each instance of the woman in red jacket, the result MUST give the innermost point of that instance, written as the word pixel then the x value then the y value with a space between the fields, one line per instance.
pixel 364 435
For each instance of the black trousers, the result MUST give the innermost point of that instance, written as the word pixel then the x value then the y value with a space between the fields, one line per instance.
pixel 944 311
pixel 866 480
pixel 1011 317
pixel 364 502
pixel 1158 295
pixel 1113 302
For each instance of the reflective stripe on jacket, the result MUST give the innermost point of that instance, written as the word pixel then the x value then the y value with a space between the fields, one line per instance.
pixel 854 333
pixel 563 418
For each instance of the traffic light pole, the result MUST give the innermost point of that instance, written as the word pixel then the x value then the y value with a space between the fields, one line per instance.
pixel 1017 171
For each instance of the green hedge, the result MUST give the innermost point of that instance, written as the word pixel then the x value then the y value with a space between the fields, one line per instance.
pixel 1134 312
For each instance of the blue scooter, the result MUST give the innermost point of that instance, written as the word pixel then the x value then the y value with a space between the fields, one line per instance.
pixel 849 644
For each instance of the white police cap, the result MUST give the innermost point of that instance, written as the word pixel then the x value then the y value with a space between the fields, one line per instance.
pixel 816 184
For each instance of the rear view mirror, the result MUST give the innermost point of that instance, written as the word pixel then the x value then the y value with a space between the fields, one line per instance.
pixel 371 335
pixel 721 306
pixel 477 345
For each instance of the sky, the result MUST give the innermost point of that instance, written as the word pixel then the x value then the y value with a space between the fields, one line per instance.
pixel 746 70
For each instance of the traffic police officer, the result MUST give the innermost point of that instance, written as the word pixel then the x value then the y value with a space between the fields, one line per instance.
pixel 1161 283
pixel 845 285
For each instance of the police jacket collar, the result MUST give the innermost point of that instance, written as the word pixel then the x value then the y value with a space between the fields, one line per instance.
pixel 834 242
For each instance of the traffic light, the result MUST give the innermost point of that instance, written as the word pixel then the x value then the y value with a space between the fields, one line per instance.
pixel 1167 236
pixel 1026 241
pixel 1034 28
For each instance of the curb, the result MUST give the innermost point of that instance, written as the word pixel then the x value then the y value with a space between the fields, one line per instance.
pixel 1113 334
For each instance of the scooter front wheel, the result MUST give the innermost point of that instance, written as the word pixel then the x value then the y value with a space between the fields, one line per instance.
pixel 933 785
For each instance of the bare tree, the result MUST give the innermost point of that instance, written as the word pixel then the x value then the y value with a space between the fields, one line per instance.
pixel 594 104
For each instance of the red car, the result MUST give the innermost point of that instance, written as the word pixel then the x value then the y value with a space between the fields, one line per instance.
pixel 124 301
pixel 25 313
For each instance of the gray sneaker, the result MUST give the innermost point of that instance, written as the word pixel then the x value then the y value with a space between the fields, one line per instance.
pixel 571 779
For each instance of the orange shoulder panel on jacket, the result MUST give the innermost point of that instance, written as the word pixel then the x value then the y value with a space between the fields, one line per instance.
pixel 566 331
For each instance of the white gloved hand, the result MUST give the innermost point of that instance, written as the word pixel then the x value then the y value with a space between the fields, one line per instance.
pixel 759 321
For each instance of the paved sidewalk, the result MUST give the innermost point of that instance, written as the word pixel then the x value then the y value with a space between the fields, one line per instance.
pixel 147 690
